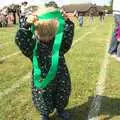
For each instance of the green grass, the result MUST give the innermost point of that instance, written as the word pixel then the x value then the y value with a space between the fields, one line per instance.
pixel 84 62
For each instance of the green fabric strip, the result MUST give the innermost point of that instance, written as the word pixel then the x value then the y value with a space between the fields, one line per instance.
pixel 55 51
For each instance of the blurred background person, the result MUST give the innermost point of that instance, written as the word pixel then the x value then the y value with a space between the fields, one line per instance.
pixel 24 5
pixel 80 19
pixel 114 49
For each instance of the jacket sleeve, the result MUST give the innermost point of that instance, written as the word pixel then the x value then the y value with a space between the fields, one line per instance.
pixel 25 42
pixel 67 36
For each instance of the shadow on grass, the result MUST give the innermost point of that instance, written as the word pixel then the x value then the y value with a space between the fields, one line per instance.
pixel 77 112
pixel 1 61
pixel 110 108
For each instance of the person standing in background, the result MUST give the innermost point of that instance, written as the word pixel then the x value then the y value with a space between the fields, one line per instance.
pixel 80 19
pixel 91 19
pixel 22 14
pixel 114 49
pixel 101 16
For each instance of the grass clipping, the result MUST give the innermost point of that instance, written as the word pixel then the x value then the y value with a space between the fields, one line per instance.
pixel 45 30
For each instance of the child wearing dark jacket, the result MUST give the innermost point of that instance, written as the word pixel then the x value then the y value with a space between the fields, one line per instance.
pixel 56 94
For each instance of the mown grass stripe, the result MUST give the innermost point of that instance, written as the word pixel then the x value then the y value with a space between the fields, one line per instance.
pixel 4 44
pixel 82 37
pixel 16 85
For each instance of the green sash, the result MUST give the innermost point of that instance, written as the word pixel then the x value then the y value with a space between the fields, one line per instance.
pixel 55 51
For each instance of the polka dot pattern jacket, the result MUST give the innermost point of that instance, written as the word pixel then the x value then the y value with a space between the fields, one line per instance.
pixel 56 94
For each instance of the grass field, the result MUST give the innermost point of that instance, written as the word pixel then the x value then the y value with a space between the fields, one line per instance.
pixel 84 61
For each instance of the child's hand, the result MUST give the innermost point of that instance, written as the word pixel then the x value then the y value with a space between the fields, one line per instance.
pixel 66 15
pixel 32 19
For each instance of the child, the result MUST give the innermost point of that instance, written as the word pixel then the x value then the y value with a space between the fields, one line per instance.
pixel 38 48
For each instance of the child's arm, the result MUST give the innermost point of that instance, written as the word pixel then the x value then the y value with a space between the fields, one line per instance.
pixel 25 42
pixel 67 36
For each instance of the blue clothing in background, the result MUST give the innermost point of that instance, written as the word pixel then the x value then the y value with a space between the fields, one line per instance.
pixel 114 45
pixel 80 19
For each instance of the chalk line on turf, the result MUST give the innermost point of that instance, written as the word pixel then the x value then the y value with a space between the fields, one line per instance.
pixel 100 86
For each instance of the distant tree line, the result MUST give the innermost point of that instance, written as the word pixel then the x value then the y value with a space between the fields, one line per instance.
pixel 109 7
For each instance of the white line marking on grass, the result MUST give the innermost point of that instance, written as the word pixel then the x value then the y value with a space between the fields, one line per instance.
pixel 9 56
pixel 83 36
pixel 2 45
pixel 100 86
pixel 16 85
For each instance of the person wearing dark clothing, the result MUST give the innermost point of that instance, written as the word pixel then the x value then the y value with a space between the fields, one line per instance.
pixel 101 15
pixel 80 19
pixel 56 94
